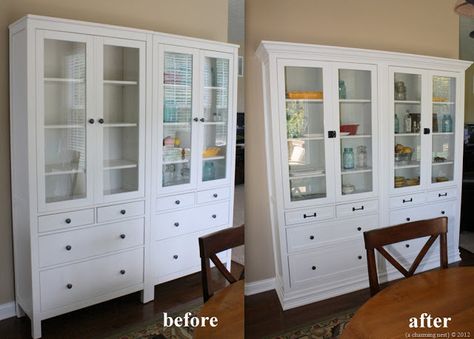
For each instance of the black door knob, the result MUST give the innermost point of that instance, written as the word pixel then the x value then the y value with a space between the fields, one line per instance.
pixel 311 237
pixel 176 224
pixel 196 119
pixel 407 245
pixel 443 212
pixel 202 120
pixel 214 216
pixel 177 202
pixel 175 256
pixel 69 286
pixel 68 221
pixel 122 236
pixel 313 268
pixel 91 121
pixel 122 272
pixel 359 257
pixel 408 219
pixel 215 195
pixel 68 247
pixel 101 121
pixel 359 229
pixel 123 212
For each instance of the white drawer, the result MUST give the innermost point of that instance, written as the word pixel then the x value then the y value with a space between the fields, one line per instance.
pixel 78 282
pixel 408 249
pixel 314 265
pixel 440 195
pixel 213 195
pixel 187 221
pixel 357 208
pixel 407 200
pixel 423 212
pixel 78 244
pixel 312 236
pixel 120 211
pixel 309 215
pixel 65 220
pixel 175 202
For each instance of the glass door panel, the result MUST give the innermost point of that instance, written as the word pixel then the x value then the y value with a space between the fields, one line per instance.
pixel 64 85
pixel 355 119
pixel 121 119
pixel 407 129
pixel 443 124
pixel 177 118
pixel 305 132
pixel 215 120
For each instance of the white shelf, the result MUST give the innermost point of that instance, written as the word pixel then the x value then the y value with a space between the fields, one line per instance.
pixel 356 171
pixel 442 163
pixel 181 161
pixel 63 126
pixel 354 101
pixel 61 169
pixel 407 134
pixel 120 82
pixel 309 174
pixel 176 85
pixel 176 123
pixel 411 164
pixel 408 102
pixel 121 124
pixel 443 133
pixel 443 103
pixel 118 191
pixel 308 138
pixel 219 157
pixel 305 100
pixel 215 87
pixel 215 123
pixel 69 80
pixel 119 164
pixel 357 192
pixel 357 136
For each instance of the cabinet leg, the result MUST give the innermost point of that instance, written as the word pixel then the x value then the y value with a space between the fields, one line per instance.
pixel 148 293
pixel 35 328
pixel 19 311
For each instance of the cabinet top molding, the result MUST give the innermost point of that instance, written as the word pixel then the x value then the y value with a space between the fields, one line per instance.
pixel 40 22
pixel 279 49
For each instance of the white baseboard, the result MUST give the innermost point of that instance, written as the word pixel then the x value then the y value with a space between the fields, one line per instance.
pixel 7 310
pixel 259 286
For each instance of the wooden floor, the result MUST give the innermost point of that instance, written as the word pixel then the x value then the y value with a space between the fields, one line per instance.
pixel 107 318
pixel 264 315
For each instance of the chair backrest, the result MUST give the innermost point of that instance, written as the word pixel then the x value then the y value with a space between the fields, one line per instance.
pixel 378 238
pixel 209 246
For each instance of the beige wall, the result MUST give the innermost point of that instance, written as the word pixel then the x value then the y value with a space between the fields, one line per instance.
pixel 422 27
pixel 204 19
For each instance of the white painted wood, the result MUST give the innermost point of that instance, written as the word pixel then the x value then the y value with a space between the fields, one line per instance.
pixel 175 202
pixel 259 286
pixel 301 242
pixel 122 211
pixel 213 195
pixel 60 221
pixel 7 310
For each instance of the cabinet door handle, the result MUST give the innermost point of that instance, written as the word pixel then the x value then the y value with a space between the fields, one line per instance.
pixel 309 215
pixel 215 195
pixel 214 216
pixel 407 200
pixel 359 257
pixel 177 202
pixel 331 134
pixel 358 209
pixel 196 119
pixel 442 194
pixel 123 212
pixel 311 237
pixel 122 272
pixel 175 256
pixel 101 121
pixel 202 119
pixel 123 236
pixel 69 286
pixel 176 224
pixel 68 221
pixel 91 121
pixel 359 229
pixel 426 131
pixel 68 247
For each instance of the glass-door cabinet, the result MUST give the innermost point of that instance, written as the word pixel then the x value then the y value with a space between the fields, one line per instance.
pixel 64 83
pixel 357 115
pixel 305 129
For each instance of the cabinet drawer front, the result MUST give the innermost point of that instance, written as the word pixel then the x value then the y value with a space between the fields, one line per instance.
pixel 175 202
pixel 67 285
pixel 309 215
pixel 318 264
pixel 187 221
pixel 65 220
pixel 446 194
pixel 78 244
pixel 407 200
pixel 409 249
pixel 305 237
pixel 407 215
pixel 357 208
pixel 120 211
pixel 213 195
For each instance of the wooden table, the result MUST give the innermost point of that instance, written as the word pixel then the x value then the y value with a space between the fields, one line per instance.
pixel 440 293
pixel 227 305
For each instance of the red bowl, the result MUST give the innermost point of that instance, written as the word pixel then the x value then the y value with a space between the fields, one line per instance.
pixel 351 128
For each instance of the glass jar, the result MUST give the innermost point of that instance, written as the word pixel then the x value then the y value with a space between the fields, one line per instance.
pixel 342 90
pixel 209 172
pixel 397 125
pixel 348 158
pixel 361 156
pixel 400 90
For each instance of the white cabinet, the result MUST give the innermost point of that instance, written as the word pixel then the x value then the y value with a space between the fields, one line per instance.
pixel 93 111
pixel 356 140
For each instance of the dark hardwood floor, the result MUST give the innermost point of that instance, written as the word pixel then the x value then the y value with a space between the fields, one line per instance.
pixel 264 315
pixel 107 318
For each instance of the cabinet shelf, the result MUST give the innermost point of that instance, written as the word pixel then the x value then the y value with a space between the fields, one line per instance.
pixel 172 162
pixel 356 171
pixel 305 100
pixel 309 174
pixel 177 85
pixel 408 102
pixel 215 87
pixel 119 164
pixel 219 157
pixel 121 124
pixel 120 82
pixel 442 163
pixel 68 80
pixel 61 169
pixel 221 123
pixel 176 123
pixel 59 126
pixel 443 133
pixel 357 136
pixel 355 101
pixel 411 164
pixel 407 134
pixel 443 103
pixel 308 137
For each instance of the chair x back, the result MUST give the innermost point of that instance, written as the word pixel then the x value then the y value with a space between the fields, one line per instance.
pixel 209 246
pixel 376 239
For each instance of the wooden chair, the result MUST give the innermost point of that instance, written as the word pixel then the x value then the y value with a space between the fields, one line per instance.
pixel 209 246
pixel 378 238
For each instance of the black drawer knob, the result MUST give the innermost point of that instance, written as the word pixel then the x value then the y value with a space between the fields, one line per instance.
pixel 442 194
pixel 122 236
pixel 202 119
pixel 122 272
pixel 443 212
pixel 175 256
pixel 314 215
pixel 68 221
pixel 68 247
pixel 214 216
pixel 361 208
pixel 69 286
pixel 91 121
pixel 359 257
pixel 359 229
pixel 196 119
pixel 407 200
pixel 176 224
pixel 101 121
pixel 177 202
pixel 313 268
pixel 407 245
pixel 311 237
pixel 215 195
pixel 123 212
pixel 408 219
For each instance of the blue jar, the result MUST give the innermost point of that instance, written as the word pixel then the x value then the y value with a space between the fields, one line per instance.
pixel 208 172
pixel 342 90
pixel 348 158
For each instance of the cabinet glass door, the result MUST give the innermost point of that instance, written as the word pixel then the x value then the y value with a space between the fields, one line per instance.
pixel 407 94
pixel 356 119
pixel 62 149
pixel 121 118
pixel 305 133
pixel 443 128
pixel 214 120
pixel 178 107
